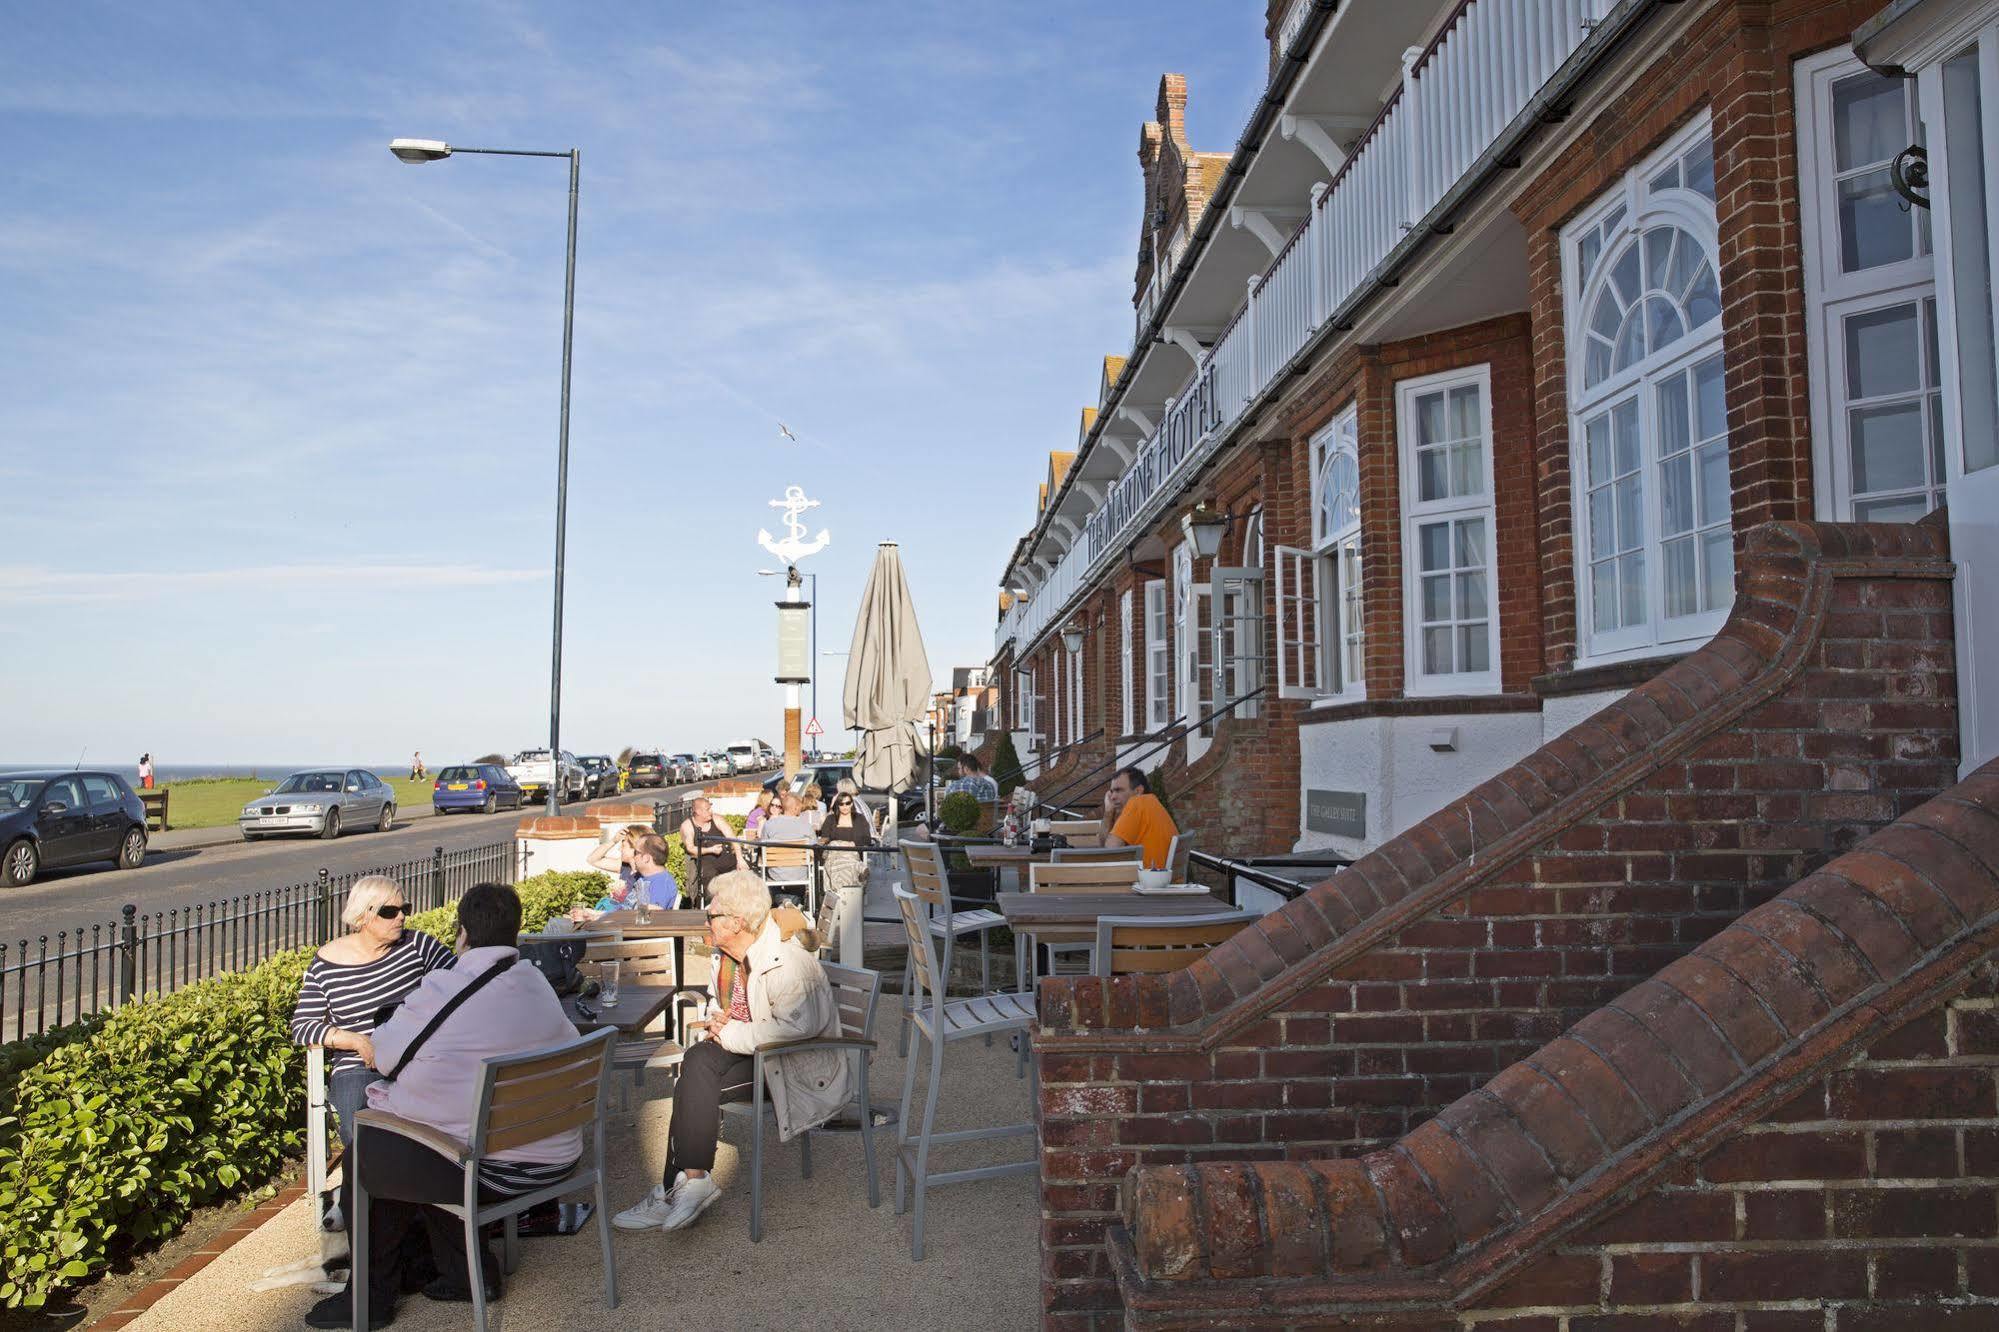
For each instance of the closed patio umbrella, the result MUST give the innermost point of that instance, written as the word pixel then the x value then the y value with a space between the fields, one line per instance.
pixel 888 678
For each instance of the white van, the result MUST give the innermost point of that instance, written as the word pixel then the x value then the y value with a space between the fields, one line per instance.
pixel 743 757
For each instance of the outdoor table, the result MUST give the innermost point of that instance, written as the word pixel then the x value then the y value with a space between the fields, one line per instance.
pixel 1008 862
pixel 1057 918
pixel 679 926
pixel 637 1006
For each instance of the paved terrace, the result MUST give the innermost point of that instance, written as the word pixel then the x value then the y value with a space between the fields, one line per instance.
pixel 826 1261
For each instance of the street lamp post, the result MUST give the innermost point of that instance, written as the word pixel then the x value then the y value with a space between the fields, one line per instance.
pixel 417 152
pixel 814 608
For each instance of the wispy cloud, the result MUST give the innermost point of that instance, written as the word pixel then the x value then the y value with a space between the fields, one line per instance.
pixel 29 585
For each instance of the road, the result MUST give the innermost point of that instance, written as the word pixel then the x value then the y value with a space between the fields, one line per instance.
pixel 75 899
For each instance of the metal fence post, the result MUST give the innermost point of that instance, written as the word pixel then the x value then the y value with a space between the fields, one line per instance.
pixel 437 877
pixel 128 953
pixel 325 906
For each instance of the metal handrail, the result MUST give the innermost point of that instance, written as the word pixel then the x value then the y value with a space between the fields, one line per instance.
pixel 1231 870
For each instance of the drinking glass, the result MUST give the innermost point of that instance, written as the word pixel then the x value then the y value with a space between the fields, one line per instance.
pixel 607 984
pixel 645 909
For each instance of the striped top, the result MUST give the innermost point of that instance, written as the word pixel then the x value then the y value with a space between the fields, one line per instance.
pixel 512 1178
pixel 347 995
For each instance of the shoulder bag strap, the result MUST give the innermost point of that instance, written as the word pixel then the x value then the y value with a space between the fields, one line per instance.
pixel 437 1019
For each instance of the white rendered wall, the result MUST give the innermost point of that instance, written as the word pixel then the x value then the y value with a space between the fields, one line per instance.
pixel 1561 713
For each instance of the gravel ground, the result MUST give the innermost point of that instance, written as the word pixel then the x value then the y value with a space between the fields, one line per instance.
pixel 826 1261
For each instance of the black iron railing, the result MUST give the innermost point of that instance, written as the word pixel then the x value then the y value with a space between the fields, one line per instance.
pixel 1228 873
pixel 1158 742
pixel 142 954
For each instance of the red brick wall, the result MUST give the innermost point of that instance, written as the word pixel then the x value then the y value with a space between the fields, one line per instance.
pixel 1823 710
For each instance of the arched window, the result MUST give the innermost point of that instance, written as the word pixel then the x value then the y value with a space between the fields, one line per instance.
pixel 1648 424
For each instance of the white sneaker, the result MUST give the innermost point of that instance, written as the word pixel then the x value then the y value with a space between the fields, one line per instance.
pixel 691 1197
pixel 650 1211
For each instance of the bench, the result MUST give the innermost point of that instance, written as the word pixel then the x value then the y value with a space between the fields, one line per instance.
pixel 155 802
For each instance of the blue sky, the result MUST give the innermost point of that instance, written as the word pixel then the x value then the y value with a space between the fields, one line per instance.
pixel 277 413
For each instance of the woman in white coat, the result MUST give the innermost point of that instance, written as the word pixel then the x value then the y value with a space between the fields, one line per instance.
pixel 780 995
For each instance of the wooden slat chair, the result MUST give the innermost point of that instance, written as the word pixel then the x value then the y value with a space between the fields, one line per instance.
pixel 640 962
pixel 941 1021
pixel 1079 832
pixel 522 1098
pixel 794 858
pixel 1068 855
pixel 855 990
pixel 1130 945
pixel 930 880
pixel 1117 875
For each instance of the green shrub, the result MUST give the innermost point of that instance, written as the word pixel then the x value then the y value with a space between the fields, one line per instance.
pixel 960 812
pixel 113 1130
pixel 1006 765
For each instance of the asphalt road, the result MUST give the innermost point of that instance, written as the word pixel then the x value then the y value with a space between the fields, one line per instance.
pixel 72 899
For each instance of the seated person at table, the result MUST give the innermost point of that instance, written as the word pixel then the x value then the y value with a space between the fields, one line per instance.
pixel 789 827
pixel 650 882
pixel 1136 818
pixel 435 1082
pixel 783 997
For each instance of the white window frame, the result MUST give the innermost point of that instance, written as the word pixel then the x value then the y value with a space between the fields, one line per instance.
pixel 1417 514
pixel 1329 547
pixel 1129 713
pixel 1158 661
pixel 1833 295
pixel 1643 209
pixel 1075 692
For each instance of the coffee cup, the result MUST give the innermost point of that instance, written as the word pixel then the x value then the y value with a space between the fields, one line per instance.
pixel 1152 880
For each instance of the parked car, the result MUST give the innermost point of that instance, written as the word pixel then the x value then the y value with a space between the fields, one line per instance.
pixel 535 773
pixel 686 768
pixel 650 770
pixel 321 801
pixel 485 787
pixel 52 819
pixel 600 775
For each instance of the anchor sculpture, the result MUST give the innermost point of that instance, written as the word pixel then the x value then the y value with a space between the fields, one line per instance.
pixel 794 547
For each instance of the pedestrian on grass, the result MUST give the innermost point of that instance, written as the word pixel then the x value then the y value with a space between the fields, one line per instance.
pixel 145 772
pixel 416 766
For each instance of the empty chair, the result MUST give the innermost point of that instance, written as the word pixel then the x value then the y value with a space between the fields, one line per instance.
pixel 1129 945
pixel 1078 832
pixel 855 990
pixel 1089 875
pixel 522 1099
pixel 640 962
pixel 1067 855
pixel 930 880
pixel 941 1021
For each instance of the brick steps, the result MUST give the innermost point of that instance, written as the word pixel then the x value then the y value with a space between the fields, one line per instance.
pixel 1823 711
pixel 1662 1080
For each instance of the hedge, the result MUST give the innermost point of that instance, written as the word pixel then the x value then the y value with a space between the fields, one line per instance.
pixel 115 1129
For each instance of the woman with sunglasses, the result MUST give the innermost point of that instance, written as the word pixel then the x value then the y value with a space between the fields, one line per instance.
pixel 352 980
pixel 844 872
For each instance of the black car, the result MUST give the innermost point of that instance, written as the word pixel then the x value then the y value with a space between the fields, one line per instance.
pixel 600 775
pixel 52 819
pixel 648 770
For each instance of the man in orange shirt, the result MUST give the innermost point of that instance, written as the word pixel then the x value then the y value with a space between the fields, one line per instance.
pixel 1136 818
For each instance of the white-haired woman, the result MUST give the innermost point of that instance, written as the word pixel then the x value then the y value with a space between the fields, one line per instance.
pixel 352 979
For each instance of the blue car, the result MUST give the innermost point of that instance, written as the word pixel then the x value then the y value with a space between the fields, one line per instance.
pixel 481 786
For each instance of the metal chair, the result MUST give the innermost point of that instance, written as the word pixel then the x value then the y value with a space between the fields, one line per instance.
pixel 940 1021
pixel 855 990
pixel 522 1098
pixel 1089 875
pixel 930 879
pixel 640 962
pixel 1146 944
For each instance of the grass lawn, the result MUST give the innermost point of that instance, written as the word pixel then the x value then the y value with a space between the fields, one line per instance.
pixel 215 802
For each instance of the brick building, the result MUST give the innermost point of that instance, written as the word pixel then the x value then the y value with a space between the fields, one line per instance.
pixel 1525 481
pixel 1478 382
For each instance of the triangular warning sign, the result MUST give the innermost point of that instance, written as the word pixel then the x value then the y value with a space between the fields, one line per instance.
pixel 812 727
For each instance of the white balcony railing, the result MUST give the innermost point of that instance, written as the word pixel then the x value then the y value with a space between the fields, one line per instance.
pixel 1456 98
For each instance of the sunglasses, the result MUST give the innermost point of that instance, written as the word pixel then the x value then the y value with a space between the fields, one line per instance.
pixel 391 910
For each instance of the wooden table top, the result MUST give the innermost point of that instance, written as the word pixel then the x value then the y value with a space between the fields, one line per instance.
pixel 689 924
pixel 637 1006
pixel 1073 910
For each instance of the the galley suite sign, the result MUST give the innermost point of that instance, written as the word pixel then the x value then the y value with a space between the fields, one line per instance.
pixel 1341 813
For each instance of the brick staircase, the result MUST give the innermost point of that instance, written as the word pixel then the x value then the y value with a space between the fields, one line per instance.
pixel 1444 968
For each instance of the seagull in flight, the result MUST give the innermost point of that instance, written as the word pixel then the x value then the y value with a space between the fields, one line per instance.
pixel 785 430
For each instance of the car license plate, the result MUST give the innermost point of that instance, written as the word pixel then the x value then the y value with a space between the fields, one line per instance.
pixel 458 786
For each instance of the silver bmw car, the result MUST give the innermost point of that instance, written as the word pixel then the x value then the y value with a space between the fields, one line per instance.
pixel 324 802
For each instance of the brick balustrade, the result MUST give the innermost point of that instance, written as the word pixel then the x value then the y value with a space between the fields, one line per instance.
pixel 1655 1085
pixel 1822 712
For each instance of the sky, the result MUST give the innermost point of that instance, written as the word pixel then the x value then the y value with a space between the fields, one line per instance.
pixel 278 412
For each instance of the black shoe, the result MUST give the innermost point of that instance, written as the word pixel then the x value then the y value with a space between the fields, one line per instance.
pixel 337 1311
pixel 447 1291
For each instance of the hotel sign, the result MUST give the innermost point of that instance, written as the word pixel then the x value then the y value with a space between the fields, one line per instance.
pixel 1341 813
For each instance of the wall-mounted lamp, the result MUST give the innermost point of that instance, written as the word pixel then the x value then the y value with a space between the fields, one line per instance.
pixel 1204 527
pixel 1072 638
